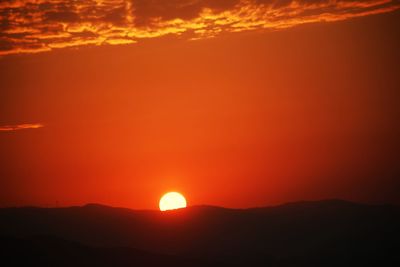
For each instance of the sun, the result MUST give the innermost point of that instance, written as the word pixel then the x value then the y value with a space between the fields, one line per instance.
pixel 172 201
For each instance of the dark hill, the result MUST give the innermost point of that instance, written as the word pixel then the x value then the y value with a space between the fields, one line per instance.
pixel 50 251
pixel 323 233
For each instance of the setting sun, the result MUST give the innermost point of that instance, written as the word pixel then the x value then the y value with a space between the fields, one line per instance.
pixel 171 201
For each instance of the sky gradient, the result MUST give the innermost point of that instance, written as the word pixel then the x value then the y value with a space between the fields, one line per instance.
pixel 232 103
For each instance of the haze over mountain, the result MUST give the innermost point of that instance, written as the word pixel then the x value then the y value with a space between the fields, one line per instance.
pixel 325 233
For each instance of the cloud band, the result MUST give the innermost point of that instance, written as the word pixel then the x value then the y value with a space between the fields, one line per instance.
pixel 31 26
pixel 7 128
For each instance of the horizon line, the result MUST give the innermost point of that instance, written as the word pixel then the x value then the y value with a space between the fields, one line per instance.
pixel 326 200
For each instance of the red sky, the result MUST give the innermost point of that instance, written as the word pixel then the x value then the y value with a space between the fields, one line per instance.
pixel 232 103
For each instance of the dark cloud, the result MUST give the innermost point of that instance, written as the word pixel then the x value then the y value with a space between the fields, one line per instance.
pixel 146 10
pixel 85 34
pixel 28 26
pixel 65 16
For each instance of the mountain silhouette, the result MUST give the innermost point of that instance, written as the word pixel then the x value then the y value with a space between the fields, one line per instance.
pixel 321 233
pixel 51 251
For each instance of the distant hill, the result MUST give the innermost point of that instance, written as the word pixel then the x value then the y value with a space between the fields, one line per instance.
pixel 322 233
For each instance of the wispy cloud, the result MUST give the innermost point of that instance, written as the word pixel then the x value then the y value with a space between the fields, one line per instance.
pixel 31 26
pixel 24 126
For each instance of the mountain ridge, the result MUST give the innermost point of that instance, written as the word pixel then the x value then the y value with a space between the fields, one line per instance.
pixel 333 201
pixel 301 233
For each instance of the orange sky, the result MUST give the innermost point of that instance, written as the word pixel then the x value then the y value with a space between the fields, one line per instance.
pixel 232 103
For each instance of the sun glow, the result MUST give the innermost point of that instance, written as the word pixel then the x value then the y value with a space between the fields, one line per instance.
pixel 172 201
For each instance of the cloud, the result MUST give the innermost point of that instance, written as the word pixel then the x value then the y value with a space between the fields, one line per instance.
pixel 7 128
pixel 31 26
